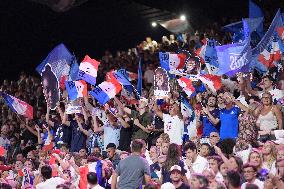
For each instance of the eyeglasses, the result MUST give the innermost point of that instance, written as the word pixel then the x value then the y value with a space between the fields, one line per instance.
pixel 248 171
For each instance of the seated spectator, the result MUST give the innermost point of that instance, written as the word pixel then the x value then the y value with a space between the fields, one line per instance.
pixel 250 174
pixel 176 177
pixel 93 181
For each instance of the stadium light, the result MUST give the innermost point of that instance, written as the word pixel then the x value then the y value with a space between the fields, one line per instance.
pixel 154 24
pixel 182 17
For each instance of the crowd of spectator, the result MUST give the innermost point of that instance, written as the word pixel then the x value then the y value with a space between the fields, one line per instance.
pixel 234 140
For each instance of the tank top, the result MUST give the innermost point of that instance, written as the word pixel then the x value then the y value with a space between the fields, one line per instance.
pixel 267 121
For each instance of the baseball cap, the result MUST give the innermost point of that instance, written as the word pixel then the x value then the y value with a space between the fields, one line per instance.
pixel 175 168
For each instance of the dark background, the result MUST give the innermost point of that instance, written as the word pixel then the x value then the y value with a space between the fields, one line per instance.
pixel 28 30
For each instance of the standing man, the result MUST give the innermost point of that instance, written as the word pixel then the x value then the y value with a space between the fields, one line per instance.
pixel 132 169
pixel 229 118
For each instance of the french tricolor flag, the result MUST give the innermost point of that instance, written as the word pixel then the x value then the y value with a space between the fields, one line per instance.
pixel 187 85
pixel 18 106
pixel 171 61
pixel 76 89
pixel 269 56
pixel 106 90
pixel 212 81
pixel 88 70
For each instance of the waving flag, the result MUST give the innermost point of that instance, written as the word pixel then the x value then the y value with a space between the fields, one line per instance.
pixel 123 80
pixel 18 106
pixel 139 83
pixel 88 70
pixel 106 91
pixel 129 75
pixel 212 81
pixel 268 50
pixel 74 70
pixel 76 89
pixel 186 108
pixel 280 31
pixel 186 85
pixel 171 61
pixel 60 60
pixel 234 58
pixel 256 12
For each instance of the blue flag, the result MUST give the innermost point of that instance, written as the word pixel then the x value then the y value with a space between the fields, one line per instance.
pixel 139 84
pixel 256 12
pixel 74 69
pixel 267 38
pixel 234 58
pixel 59 59
pixel 210 56
pixel 186 108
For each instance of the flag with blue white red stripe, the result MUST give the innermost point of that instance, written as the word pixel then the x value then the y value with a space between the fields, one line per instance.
pixel 76 89
pixel 18 106
pixel 170 61
pixel 88 70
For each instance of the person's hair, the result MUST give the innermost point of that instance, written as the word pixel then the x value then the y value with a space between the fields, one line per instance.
pixel 216 158
pixel 270 96
pixel 152 185
pixel 165 137
pixel 220 185
pixel 239 162
pixel 202 180
pixel 255 151
pixel 92 178
pixel 234 178
pixel 63 186
pixel 205 144
pixel 173 156
pixel 251 186
pixel 190 145
pixel 247 165
pixel 46 172
pixel 5 186
pixel 268 77
pixel 219 164
pixel 137 145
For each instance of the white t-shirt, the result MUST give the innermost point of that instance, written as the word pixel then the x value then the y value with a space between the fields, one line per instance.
pixel 257 182
pixel 198 166
pixel 50 183
pixel 97 187
pixel 174 127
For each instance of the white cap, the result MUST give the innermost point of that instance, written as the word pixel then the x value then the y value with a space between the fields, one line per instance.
pixel 175 167
pixel 168 185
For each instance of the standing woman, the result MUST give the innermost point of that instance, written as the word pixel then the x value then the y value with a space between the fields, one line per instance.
pixel 173 158
pixel 269 119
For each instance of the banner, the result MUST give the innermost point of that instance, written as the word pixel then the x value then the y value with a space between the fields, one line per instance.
pixel 76 89
pixel 88 70
pixel 170 61
pixel 161 83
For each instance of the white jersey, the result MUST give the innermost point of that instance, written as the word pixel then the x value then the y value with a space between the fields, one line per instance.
pixel 174 127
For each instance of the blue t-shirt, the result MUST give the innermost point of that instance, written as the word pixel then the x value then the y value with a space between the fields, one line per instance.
pixel 209 127
pixel 78 139
pixel 111 135
pixel 229 123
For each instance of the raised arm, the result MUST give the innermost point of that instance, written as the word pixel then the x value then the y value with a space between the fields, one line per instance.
pixel 51 123
pixel 125 109
pixel 96 127
pixel 157 111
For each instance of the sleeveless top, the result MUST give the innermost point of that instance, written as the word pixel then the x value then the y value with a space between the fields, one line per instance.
pixel 267 121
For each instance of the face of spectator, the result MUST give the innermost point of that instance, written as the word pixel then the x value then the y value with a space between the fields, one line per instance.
pixel 110 152
pixel 28 165
pixel 204 151
pixel 211 101
pixel 18 165
pixel 266 99
pixel 267 83
pixel 13 141
pixel 97 150
pixel 249 174
pixel 190 65
pixel 123 156
pixel 82 152
pixel 214 138
pixel 194 183
pixel 142 104
pixel 20 157
pixel 223 169
pixel 220 98
pixel 255 159
pixel 227 98
pixel 153 153
pixel 159 142
pixel 175 175
pixel 213 165
pixel 190 154
pixel 67 177
pixel 84 162
pixel 165 148
pixel 173 109
pixel 5 130
pixel 267 149
pixel 233 164
pixel 280 154
pixel 30 155
pixel 4 174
